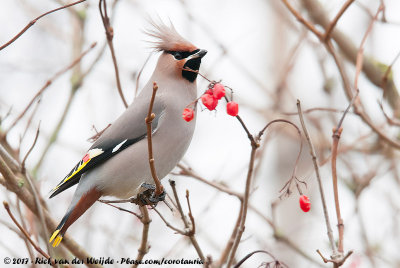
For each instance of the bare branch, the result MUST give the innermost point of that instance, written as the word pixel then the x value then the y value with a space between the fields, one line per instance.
pixel 110 36
pixel 167 223
pixel 31 23
pixel 335 141
pixel 317 173
pixel 48 83
pixel 332 25
pixel 276 263
pixel 360 53
pixel 144 247
pixel 149 120
pixel 119 208
pixel 30 149
pixel 301 19
pixel 38 249
pixel 191 235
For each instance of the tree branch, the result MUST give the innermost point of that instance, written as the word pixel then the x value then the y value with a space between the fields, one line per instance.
pixel 31 23
pixel 149 120
pixel 110 36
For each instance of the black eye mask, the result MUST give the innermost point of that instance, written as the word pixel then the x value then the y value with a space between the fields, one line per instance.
pixel 180 55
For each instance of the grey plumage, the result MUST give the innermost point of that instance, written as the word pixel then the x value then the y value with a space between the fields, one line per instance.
pixel 171 137
pixel 117 163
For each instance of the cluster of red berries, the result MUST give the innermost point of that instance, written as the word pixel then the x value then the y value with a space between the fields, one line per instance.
pixel 210 100
pixel 305 203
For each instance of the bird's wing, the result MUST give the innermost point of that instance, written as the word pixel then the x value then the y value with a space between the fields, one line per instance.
pixel 128 129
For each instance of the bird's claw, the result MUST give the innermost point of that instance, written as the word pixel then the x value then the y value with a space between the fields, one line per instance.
pixel 157 198
pixel 148 186
pixel 149 197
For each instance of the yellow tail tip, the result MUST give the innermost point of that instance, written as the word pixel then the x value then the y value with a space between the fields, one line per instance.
pixel 57 241
pixel 54 235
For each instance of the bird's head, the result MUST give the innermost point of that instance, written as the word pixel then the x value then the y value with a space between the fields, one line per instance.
pixel 179 57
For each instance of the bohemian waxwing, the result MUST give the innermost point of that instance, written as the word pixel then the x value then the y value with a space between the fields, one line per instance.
pixel 117 163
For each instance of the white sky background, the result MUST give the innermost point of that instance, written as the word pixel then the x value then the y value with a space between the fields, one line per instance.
pixel 257 36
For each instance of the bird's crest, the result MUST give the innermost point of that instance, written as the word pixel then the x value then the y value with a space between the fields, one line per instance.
pixel 168 39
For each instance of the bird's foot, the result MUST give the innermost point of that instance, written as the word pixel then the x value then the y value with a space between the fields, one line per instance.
pixel 149 197
pixel 148 186
pixel 157 198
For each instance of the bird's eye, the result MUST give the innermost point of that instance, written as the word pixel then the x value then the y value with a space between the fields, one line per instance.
pixel 178 55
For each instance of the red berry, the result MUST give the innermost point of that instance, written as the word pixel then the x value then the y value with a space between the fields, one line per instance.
pixel 209 91
pixel 305 203
pixel 209 101
pixel 218 91
pixel 232 108
pixel 188 114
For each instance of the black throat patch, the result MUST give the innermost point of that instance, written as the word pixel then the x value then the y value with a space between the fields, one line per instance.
pixel 193 64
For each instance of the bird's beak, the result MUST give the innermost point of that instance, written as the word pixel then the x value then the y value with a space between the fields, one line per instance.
pixel 200 54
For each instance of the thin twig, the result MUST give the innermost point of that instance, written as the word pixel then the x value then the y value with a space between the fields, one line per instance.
pixel 300 18
pixel 102 49
pixel 191 234
pixel 225 253
pixel 149 120
pixel 31 23
pixel 38 249
pixel 34 191
pixel 333 110
pixel 30 150
pixel 110 36
pixel 76 82
pixel 385 77
pixel 335 141
pixel 358 107
pixel 293 176
pixel 225 50
pixel 332 25
pixel 371 67
pixel 276 262
pixel 119 208
pixel 144 247
pixel 140 74
pixel 243 212
pixel 167 223
pixel 23 224
pixel 317 173
pixel 29 122
pixel 336 264
pixel 11 183
pixel 277 234
pixel 98 133
pixel 48 83
pixel 251 138
pixel 347 110
pixel 193 227
pixel 244 205
pixel 360 53
pixel 189 172
pixel 56 131
pixel 119 201
pixel 391 121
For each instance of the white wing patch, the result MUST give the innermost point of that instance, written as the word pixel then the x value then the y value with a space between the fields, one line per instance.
pixel 116 148
pixel 95 152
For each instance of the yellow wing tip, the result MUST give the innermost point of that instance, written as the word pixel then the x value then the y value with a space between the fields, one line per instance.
pixel 54 235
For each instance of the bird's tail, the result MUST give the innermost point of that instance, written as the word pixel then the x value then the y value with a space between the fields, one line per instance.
pixel 85 202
